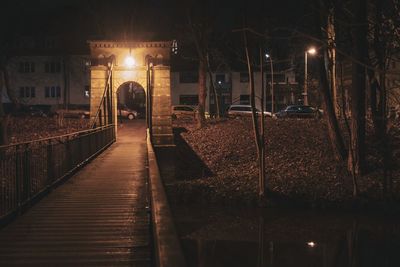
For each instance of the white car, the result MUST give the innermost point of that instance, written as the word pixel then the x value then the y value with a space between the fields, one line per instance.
pixel 125 112
pixel 235 111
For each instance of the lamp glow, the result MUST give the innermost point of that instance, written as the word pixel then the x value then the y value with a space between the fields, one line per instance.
pixel 311 244
pixel 312 51
pixel 129 61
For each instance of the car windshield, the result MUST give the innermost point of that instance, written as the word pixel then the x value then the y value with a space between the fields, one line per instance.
pixel 306 109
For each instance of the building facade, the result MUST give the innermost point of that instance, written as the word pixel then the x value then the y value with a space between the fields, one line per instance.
pixel 57 81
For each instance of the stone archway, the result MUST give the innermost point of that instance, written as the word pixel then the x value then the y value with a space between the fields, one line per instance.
pixel 149 68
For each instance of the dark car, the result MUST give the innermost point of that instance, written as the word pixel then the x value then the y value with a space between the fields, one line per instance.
pixel 183 111
pixel 32 111
pixel 297 111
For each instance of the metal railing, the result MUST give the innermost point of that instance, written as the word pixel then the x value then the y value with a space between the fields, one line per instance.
pixel 29 169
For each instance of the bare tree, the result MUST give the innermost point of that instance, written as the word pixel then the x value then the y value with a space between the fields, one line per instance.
pixel 258 133
pixel 334 131
pixel 356 161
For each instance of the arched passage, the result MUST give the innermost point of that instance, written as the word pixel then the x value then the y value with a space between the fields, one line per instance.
pixel 131 101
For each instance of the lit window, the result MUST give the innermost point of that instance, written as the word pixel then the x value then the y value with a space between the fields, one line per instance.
pixel 87 91
pixel 174 47
pixel 220 78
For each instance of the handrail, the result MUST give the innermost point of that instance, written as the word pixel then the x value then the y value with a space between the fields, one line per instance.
pixel 58 136
pixel 28 170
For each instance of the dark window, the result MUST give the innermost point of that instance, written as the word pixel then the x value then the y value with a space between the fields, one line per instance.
pixel 58 91
pixel 184 108
pixel 192 100
pixel 27 92
pixel 26 67
pixel 52 67
pixel 245 99
pixel 244 77
pixel 188 77
pixel 53 91
pixel 21 92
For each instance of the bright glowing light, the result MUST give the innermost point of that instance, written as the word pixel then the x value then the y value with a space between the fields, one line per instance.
pixel 129 61
pixel 219 82
pixel 267 55
pixel 312 51
pixel 311 244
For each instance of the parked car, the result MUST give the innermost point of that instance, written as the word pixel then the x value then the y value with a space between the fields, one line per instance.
pixel 235 111
pixel 32 111
pixel 298 111
pixel 183 111
pixel 72 113
pixel 125 112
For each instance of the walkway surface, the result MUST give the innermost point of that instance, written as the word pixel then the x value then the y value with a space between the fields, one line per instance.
pixel 99 217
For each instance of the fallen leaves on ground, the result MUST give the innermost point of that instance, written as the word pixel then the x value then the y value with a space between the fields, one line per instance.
pixel 299 160
pixel 24 129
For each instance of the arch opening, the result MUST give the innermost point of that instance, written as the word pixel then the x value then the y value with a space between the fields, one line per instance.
pixel 131 101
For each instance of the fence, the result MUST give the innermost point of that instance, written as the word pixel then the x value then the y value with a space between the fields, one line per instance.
pixel 29 169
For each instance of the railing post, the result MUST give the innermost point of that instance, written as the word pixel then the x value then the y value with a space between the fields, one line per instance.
pixel 26 186
pixel 18 175
pixel 100 118
pixel 68 154
pixel 49 162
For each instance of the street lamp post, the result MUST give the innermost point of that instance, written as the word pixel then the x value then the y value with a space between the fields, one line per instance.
pixel 310 51
pixel 267 56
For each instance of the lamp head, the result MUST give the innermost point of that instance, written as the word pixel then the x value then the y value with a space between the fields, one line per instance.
pixel 130 61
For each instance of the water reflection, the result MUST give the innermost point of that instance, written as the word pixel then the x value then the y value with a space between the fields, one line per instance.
pixel 222 237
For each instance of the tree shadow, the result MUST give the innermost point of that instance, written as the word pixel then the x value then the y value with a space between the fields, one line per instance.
pixel 181 162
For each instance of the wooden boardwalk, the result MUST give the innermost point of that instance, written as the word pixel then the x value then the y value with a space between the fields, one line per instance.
pixel 99 217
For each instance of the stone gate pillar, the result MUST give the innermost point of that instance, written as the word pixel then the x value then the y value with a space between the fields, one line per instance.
pixel 161 110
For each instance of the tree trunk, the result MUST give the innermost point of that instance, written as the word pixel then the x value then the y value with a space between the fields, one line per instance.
pixel 213 89
pixel 334 132
pixel 357 144
pixel 257 136
pixel 202 94
pixel 332 60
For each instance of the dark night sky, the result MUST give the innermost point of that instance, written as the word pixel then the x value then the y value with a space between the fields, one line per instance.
pixel 79 20
pixel 123 16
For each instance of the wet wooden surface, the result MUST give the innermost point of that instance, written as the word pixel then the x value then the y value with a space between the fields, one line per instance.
pixel 99 217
